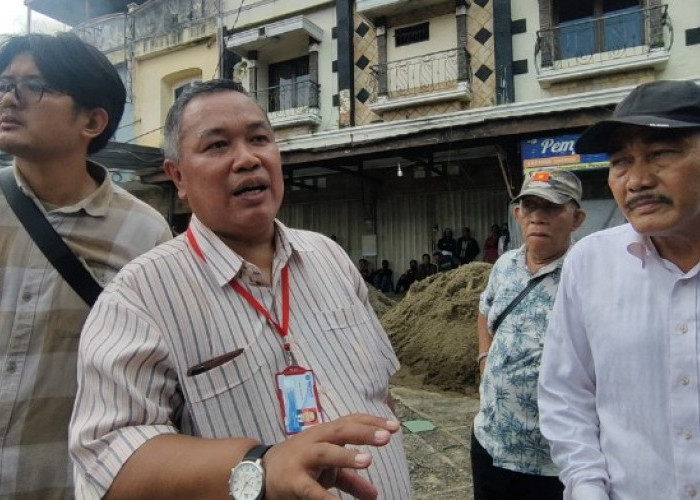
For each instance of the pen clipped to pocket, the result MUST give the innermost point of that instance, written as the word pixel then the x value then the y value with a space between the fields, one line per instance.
pixel 207 365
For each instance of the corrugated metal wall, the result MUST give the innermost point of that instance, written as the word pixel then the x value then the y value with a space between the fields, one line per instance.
pixel 343 218
pixel 404 224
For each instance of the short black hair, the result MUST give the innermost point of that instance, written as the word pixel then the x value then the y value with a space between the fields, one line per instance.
pixel 76 68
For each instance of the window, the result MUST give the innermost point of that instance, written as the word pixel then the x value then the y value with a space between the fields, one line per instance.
pixel 179 89
pixel 412 34
pixel 590 26
pixel 290 84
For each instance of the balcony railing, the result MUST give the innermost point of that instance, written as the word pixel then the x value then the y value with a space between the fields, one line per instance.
pixel 159 17
pixel 623 34
pixel 152 19
pixel 107 33
pixel 293 98
pixel 429 73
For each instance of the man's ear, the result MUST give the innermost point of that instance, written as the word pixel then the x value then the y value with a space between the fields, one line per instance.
pixel 175 174
pixel 96 121
pixel 516 211
pixel 579 217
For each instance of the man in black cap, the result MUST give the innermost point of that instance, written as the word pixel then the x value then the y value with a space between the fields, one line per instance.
pixel 618 391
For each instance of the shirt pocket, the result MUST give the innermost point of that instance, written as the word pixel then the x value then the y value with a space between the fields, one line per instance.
pixel 229 377
pixel 350 332
pixel 343 318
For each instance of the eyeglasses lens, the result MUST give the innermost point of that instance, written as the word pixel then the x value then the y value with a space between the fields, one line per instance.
pixel 26 91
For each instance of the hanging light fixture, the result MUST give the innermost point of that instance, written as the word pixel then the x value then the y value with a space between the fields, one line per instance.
pixel 399 172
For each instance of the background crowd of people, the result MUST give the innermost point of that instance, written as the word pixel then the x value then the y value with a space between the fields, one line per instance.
pixel 449 253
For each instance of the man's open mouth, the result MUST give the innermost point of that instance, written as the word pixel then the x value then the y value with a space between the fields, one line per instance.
pixel 250 189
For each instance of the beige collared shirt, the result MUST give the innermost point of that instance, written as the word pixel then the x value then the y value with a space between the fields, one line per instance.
pixel 41 317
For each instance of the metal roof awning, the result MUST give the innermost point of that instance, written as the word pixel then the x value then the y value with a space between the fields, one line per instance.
pixel 143 160
pixel 119 156
pixel 74 12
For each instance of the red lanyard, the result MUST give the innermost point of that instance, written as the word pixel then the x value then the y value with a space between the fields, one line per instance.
pixel 282 328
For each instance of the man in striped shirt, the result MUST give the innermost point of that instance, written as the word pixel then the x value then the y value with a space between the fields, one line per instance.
pixel 60 99
pixel 184 360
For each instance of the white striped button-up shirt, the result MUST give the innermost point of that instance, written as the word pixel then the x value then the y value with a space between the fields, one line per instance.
pixel 170 310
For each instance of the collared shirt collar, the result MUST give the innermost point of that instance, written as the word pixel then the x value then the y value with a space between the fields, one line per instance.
pixel 95 204
pixel 643 248
pixel 552 266
pixel 225 264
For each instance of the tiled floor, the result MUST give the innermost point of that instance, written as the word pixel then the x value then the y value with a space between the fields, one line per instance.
pixel 438 459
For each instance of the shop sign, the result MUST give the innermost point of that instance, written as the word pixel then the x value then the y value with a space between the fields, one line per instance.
pixel 558 151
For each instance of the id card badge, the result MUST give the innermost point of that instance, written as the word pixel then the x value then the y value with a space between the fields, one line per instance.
pixel 298 397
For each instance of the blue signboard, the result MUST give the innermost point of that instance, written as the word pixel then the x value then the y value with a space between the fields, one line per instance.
pixel 558 151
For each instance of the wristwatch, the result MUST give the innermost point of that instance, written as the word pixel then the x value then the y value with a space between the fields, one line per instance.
pixel 247 481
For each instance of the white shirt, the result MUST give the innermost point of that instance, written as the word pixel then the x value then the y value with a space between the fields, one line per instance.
pixel 618 388
pixel 169 310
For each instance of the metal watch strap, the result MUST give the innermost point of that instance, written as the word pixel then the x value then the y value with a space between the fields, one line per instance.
pixel 256 452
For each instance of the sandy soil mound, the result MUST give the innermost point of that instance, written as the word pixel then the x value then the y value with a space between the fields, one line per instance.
pixel 380 302
pixel 433 329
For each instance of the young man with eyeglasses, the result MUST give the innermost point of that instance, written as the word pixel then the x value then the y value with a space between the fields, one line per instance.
pixel 510 458
pixel 60 100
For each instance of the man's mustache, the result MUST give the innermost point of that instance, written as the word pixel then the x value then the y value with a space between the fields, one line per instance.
pixel 656 198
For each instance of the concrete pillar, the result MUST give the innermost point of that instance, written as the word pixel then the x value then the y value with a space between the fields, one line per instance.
pixel 462 54
pixel 382 83
pixel 252 57
pixel 313 73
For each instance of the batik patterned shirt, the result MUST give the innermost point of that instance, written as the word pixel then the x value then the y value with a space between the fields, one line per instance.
pixel 507 423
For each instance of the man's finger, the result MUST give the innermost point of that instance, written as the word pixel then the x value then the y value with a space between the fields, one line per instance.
pixel 356 429
pixel 329 456
pixel 349 481
pixel 311 490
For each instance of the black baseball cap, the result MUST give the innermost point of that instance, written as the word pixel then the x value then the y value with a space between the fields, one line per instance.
pixel 664 104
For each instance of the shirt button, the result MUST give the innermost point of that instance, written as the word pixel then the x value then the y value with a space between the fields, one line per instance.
pixel 687 434
pixel 683 328
pixel 691 491
pixel 11 367
pixel 26 296
pixel 685 380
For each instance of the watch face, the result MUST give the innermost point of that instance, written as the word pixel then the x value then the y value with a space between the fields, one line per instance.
pixel 247 481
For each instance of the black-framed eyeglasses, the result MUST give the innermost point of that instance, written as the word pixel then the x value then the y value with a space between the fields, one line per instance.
pixel 27 91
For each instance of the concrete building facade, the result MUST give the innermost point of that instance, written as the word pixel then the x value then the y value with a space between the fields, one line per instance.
pixel 398 118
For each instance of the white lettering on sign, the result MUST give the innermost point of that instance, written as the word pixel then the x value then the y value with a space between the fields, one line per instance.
pixel 557 147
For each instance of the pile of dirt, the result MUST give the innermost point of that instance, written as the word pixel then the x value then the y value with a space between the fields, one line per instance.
pixel 433 329
pixel 379 302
